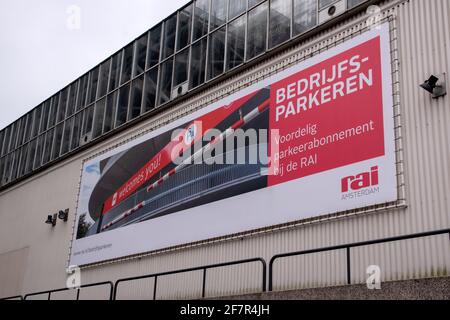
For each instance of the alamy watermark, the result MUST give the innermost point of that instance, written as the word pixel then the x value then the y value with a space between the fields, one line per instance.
pixel 73 21
pixel 375 17
pixel 231 147
pixel 374 280
pixel 73 277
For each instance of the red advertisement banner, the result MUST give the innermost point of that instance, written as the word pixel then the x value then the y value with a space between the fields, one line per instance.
pixel 329 115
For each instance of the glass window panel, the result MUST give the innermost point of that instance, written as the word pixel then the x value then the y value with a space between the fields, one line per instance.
pixel 257 31
pixel 280 22
pixel 72 99
pixel 325 3
pixel 45 114
pixel 2 135
pixel 155 46
pixel 81 101
pixel 62 105
pixel 37 121
pixel 15 157
pixel 201 17
pixel 48 146
pixel 136 97
pixel 2 139
pixel 127 64
pixel 66 136
pixel 170 28
pixel 13 139
pixel 88 116
pixel 15 165
pixel 98 118
pixel 122 106
pixel 22 123
pixel 18 127
pixel 236 43
pixel 75 141
pixel 39 149
pixel 12 163
pixel 218 13
pixel 103 79
pixel 53 110
pixel 2 167
pixel 27 132
pixel 198 63
pixel 57 141
pixel 6 141
pixel 23 160
pixel 236 7
pixel 305 15
pixel 20 132
pixel 30 156
pixel 93 85
pixel 7 169
pixel 2 142
pixel 111 103
pixel 151 79
pixel 181 68
pixel 141 55
pixel 252 3
pixel 216 53
pixel 116 62
pixel 184 27
pixel 165 85
pixel 354 3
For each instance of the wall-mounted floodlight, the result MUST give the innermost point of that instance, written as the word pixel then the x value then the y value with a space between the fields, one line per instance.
pixel 51 219
pixel 436 85
pixel 63 215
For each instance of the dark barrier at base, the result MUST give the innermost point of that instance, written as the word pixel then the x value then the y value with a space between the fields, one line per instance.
pixel 99 284
pixel 113 288
pixel 348 248
pixel 204 268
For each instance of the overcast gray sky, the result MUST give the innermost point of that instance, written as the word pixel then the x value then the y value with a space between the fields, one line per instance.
pixel 41 50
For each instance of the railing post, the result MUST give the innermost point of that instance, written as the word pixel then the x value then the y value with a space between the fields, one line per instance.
pixel 271 273
pixel 204 283
pixel 349 276
pixel 154 287
pixel 111 292
pixel 264 272
pixel 116 287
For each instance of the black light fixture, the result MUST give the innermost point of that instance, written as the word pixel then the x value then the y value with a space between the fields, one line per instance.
pixel 51 219
pixel 63 215
pixel 436 85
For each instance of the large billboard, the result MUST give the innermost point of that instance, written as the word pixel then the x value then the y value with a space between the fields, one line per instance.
pixel 314 139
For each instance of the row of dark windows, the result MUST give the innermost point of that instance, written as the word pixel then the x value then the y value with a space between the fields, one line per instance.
pixel 198 43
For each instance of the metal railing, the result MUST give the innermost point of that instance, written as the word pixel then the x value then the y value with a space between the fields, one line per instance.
pixel 99 284
pixel 348 247
pixel 203 268
pixel 113 288
pixel 13 298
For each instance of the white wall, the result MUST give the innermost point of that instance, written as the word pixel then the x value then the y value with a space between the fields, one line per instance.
pixel 421 38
